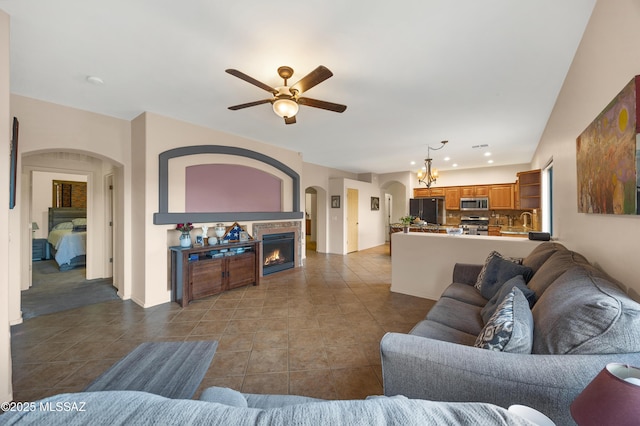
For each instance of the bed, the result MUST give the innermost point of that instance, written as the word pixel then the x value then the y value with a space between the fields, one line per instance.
pixel 68 236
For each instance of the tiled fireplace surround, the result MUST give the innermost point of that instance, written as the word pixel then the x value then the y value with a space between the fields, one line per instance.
pixel 264 228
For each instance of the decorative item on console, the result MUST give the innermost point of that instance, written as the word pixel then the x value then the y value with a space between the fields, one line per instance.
pixel 235 232
pixel 185 237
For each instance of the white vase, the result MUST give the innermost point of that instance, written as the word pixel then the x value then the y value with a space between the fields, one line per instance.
pixel 185 239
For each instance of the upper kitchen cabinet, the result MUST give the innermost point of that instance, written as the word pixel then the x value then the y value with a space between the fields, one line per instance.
pixel 452 198
pixel 501 197
pixel 428 192
pixel 529 188
pixel 474 191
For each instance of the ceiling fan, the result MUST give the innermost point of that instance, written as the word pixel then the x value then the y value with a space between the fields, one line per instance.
pixel 286 99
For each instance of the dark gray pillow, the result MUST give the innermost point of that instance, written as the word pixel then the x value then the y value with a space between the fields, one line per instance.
pixel 510 328
pixel 517 260
pixel 498 272
pixel 517 281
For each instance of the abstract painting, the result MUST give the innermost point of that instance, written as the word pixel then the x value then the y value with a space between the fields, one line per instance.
pixel 607 157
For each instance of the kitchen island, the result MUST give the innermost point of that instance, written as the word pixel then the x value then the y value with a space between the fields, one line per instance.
pixel 422 263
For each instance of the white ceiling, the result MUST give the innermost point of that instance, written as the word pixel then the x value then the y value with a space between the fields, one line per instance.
pixel 412 72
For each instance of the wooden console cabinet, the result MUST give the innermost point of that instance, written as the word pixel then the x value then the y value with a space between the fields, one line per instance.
pixel 196 274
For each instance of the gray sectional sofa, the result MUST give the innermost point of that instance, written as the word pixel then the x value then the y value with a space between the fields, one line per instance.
pixel 581 319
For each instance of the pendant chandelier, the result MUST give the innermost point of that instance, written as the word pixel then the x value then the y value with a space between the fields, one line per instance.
pixel 429 175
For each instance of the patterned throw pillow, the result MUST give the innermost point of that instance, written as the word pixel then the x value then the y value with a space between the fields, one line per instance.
pixel 516 260
pixel 510 328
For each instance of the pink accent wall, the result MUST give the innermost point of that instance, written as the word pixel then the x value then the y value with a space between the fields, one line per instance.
pixel 218 188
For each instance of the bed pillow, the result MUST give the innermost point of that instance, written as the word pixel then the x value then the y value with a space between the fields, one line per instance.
pixel 517 281
pixel 510 328
pixel 497 272
pixel 64 225
pixel 517 260
pixel 81 221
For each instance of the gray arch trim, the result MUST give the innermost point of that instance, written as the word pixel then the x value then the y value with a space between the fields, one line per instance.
pixel 163 217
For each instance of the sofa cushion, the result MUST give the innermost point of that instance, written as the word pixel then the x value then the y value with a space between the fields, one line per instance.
pixel 458 315
pixel 510 328
pixel 435 330
pixel 483 271
pixel 584 313
pixel 540 254
pixel 498 272
pixel 517 281
pixel 556 265
pixel 464 293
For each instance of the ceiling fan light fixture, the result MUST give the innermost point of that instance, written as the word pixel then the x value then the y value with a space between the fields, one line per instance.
pixel 285 107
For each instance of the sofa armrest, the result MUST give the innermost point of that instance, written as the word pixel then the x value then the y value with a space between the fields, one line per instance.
pixel 419 367
pixel 466 273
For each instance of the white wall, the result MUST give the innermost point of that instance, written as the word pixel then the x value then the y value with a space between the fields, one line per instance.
pixel 477 176
pixel 606 60
pixel 329 228
pixel 6 390
pixel 42 198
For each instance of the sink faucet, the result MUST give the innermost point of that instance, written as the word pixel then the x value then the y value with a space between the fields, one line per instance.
pixel 523 216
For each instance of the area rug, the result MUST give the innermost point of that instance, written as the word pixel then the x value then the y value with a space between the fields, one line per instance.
pixel 170 369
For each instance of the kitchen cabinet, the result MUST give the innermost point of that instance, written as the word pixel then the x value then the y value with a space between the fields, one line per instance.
pixel 196 274
pixel 501 197
pixel 493 230
pixel 428 192
pixel 474 191
pixel 452 198
pixel 529 189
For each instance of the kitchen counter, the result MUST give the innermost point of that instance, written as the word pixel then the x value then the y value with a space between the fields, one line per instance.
pixel 515 231
pixel 422 262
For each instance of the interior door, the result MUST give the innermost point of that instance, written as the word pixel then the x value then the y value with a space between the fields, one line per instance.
pixel 352 220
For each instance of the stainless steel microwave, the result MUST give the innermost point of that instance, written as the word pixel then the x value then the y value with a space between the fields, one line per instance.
pixel 475 203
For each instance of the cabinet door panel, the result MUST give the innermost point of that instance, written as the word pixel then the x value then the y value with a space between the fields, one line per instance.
pixel 501 197
pixel 452 198
pixel 205 278
pixel 242 270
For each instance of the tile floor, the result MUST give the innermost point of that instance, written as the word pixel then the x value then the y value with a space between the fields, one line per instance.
pixel 311 331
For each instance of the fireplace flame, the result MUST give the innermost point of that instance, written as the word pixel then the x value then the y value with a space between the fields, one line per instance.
pixel 274 257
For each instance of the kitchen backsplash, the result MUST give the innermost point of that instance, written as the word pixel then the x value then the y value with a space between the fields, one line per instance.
pixel 496 217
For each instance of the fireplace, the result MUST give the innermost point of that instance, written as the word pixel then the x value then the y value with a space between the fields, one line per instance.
pixel 278 252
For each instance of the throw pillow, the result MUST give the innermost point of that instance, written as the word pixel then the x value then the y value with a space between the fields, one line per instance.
pixel 517 281
pixel 510 328
pixel 517 260
pixel 498 272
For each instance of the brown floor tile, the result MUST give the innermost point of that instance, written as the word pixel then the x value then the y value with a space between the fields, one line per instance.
pixel 311 331
pixel 312 383
pixel 270 383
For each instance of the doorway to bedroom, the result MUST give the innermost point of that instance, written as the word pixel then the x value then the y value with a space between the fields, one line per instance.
pixel 69 205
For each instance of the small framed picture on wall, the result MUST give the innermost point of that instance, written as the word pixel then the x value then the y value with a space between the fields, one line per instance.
pixel 335 201
pixel 375 203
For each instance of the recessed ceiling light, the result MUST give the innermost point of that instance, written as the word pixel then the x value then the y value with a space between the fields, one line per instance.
pixel 95 80
pixel 490 161
pixel 447 158
pixel 413 163
pixel 487 154
pixel 455 164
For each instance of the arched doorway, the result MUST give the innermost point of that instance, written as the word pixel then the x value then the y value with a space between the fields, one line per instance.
pixel 104 196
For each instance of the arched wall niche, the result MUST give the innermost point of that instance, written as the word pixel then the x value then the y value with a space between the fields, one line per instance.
pixel 167 209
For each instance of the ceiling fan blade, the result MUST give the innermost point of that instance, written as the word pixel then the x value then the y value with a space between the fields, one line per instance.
pixel 290 120
pixel 322 104
pixel 248 79
pixel 315 77
pixel 250 104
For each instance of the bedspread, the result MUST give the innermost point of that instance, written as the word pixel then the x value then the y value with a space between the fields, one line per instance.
pixel 68 244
